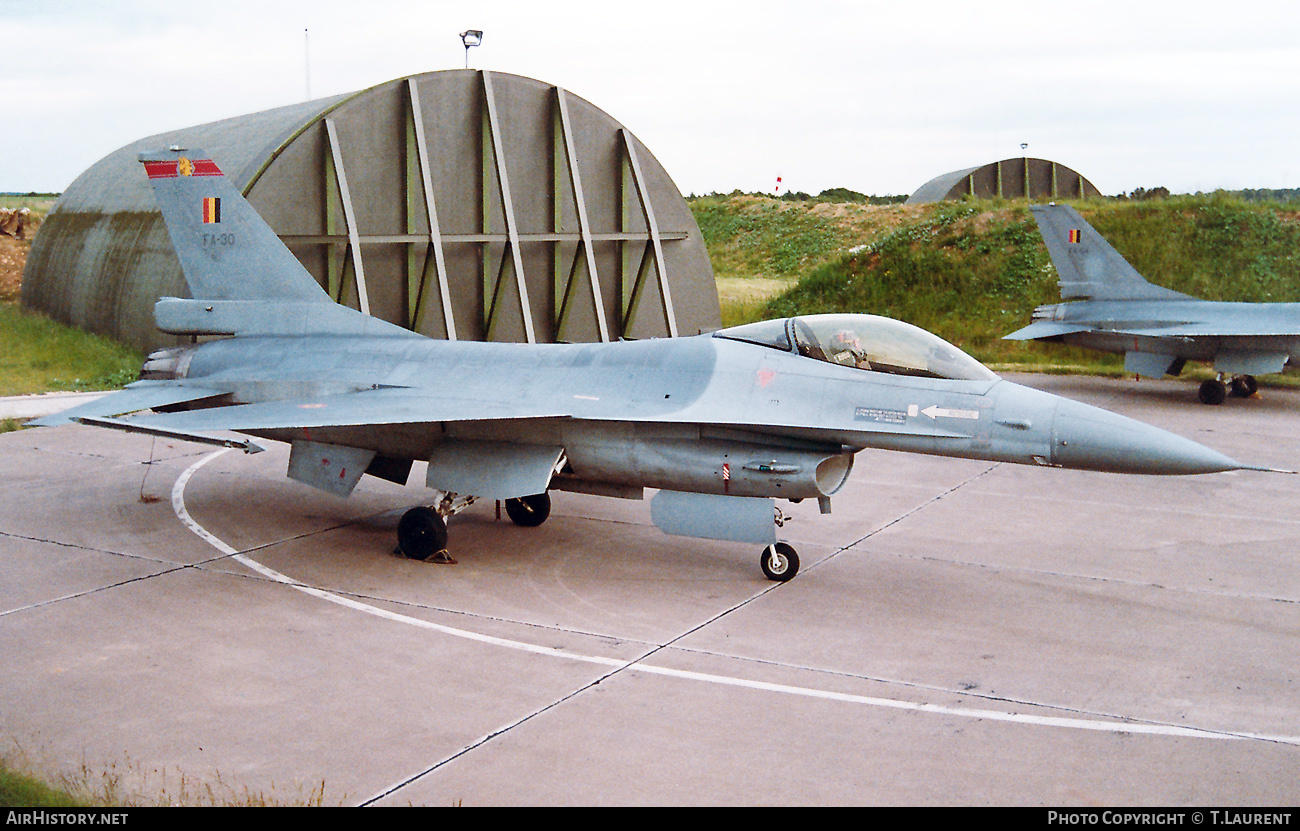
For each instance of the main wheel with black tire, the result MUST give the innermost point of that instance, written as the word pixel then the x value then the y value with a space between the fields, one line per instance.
pixel 422 534
pixel 1213 392
pixel 779 562
pixel 529 511
pixel 1244 386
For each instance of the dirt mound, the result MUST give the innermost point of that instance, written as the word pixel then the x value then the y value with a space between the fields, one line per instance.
pixel 13 256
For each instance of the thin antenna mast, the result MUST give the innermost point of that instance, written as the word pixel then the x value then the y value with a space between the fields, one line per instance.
pixel 306 61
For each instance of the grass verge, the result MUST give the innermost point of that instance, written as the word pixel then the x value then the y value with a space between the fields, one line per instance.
pixel 126 785
pixel 39 355
pixel 19 790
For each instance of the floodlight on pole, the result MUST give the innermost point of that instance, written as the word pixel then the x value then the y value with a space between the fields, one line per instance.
pixel 1024 153
pixel 470 37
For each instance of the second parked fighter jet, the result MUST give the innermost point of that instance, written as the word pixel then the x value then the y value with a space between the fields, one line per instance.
pixel 1157 330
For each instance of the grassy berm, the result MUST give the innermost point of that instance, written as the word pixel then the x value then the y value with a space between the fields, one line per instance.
pixel 38 354
pixel 973 271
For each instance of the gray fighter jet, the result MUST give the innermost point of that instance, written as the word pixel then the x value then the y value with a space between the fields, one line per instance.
pixel 1157 330
pixel 722 424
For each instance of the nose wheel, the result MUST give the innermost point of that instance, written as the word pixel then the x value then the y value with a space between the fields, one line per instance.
pixel 779 562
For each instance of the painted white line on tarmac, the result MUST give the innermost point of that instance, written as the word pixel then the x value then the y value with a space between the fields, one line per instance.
pixel 178 505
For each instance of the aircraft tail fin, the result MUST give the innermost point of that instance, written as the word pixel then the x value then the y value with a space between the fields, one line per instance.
pixel 1088 268
pixel 226 250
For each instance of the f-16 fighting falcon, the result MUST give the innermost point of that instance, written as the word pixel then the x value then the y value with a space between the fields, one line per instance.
pixel 721 424
pixel 1157 330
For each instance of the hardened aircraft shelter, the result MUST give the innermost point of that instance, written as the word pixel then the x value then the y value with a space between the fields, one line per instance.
pixel 465 204
pixel 1021 178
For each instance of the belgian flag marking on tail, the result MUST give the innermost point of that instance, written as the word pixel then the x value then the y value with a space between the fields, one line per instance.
pixel 211 209
pixel 1076 235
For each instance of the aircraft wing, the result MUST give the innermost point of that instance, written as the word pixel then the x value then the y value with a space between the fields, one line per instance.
pixel 1171 329
pixel 142 395
pixel 386 405
pixel 405 405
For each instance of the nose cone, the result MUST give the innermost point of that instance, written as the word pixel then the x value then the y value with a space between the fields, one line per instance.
pixel 1089 438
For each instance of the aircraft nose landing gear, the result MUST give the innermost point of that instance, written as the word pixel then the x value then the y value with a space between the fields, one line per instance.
pixel 779 562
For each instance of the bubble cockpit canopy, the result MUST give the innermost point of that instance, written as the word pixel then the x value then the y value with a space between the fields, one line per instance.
pixel 868 342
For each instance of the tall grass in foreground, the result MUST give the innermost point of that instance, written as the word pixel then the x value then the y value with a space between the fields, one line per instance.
pixel 126 785
pixel 18 790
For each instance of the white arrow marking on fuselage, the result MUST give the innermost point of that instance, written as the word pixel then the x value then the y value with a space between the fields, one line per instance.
pixel 935 411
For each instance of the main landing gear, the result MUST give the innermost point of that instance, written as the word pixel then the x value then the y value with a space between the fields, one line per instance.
pixel 1216 391
pixel 529 511
pixel 422 532
pixel 422 535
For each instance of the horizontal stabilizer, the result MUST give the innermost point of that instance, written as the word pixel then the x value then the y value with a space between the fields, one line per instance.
pixel 1087 266
pixel 1046 329
pixel 142 395
pixel 262 317
pixel 181 435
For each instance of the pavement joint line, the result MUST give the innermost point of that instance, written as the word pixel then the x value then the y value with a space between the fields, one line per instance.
pixel 915 510
pixel 618 665
pixel 1025 570
pixel 485 738
pixel 967 693
pixel 95 590
pixel 170 567
pixel 1067 575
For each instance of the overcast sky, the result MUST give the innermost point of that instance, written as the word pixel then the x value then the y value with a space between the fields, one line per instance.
pixel 874 96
